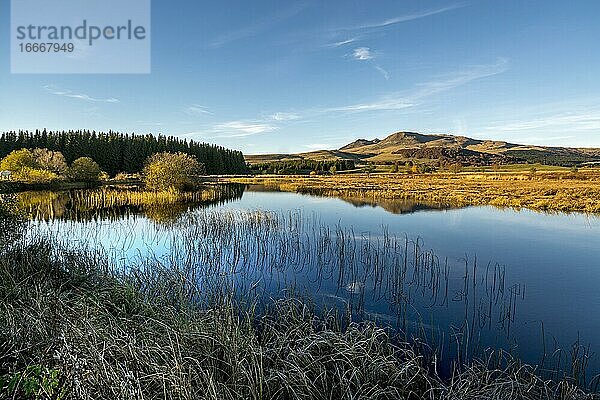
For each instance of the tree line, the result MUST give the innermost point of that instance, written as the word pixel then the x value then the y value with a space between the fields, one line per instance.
pixel 117 152
pixel 302 166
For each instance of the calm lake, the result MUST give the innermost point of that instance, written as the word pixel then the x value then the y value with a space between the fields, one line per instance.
pixel 463 279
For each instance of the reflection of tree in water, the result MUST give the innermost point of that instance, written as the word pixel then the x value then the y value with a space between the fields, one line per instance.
pixel 116 203
pixel 11 223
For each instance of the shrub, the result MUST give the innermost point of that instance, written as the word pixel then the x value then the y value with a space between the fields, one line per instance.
pixel 49 160
pixel 172 171
pixel 456 168
pixel 17 160
pixel 532 172
pixel 84 169
pixel 37 166
pixel 36 175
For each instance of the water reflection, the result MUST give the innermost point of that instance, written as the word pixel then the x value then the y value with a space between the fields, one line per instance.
pixel 397 206
pixel 116 203
pixel 393 206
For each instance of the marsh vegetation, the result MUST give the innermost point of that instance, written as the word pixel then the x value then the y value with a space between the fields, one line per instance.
pixel 226 302
pixel 570 190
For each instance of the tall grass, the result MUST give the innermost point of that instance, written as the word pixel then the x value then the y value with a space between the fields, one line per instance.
pixel 222 316
pixel 70 328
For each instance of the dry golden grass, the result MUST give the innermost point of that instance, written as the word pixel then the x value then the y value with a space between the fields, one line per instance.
pixel 546 191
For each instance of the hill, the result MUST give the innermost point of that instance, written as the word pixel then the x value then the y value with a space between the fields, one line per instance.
pixel 442 148
pixel 319 155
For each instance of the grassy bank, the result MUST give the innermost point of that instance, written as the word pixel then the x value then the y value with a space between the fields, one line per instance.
pixel 540 190
pixel 71 326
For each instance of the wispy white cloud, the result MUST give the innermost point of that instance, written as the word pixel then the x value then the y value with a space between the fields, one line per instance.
pixel 257 26
pixel 149 123
pixel 383 72
pixel 389 104
pixel 55 90
pixel 567 122
pixel 362 54
pixel 342 42
pixel 405 18
pixel 243 128
pixel 399 101
pixel 196 109
pixel 366 54
pixel 462 77
pixel 284 116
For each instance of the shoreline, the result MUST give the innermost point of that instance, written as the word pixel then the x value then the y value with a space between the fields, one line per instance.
pixel 548 191
pixel 545 191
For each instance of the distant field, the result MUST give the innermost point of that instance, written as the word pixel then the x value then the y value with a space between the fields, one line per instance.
pixel 518 167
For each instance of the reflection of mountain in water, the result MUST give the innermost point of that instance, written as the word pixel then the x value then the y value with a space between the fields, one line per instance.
pixel 394 206
pixel 116 203
pixel 397 206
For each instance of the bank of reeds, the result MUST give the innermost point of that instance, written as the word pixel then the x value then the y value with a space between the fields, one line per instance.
pixel 72 330
pixel 72 325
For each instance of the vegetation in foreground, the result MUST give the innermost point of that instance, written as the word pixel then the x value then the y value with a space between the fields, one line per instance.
pixel 576 190
pixel 70 329
pixel 72 326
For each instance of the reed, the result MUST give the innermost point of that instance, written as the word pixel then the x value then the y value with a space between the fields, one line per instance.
pixel 222 315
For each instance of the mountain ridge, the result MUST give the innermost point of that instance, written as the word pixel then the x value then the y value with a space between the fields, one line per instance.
pixel 403 146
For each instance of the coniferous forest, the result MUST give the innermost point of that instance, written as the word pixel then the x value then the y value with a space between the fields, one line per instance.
pixel 117 152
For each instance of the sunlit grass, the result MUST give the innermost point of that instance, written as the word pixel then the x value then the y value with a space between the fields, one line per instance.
pixel 532 189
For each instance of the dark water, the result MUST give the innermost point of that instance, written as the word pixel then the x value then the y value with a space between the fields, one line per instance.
pixel 524 281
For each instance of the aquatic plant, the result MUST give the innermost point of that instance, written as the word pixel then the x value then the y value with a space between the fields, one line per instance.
pixel 71 326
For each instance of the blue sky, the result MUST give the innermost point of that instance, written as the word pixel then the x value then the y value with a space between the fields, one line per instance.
pixel 273 76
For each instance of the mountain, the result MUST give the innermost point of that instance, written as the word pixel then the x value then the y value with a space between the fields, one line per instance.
pixel 359 143
pixel 443 148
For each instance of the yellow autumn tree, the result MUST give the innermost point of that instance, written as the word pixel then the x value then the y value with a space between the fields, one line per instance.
pixel 172 171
